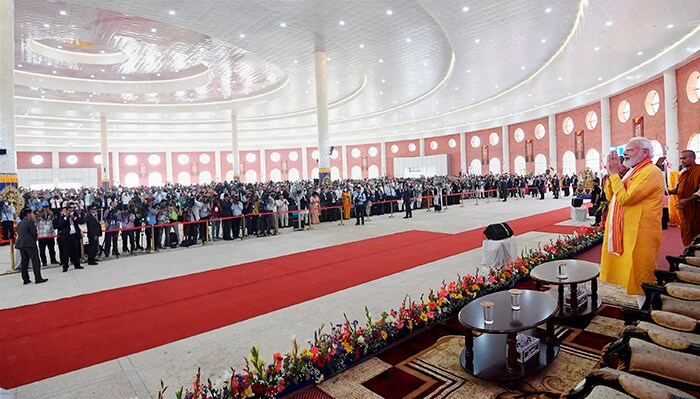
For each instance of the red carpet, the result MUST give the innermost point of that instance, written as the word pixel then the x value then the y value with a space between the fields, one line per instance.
pixel 52 338
pixel 671 244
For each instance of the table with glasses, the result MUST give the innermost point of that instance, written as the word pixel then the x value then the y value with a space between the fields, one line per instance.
pixel 493 354
pixel 576 274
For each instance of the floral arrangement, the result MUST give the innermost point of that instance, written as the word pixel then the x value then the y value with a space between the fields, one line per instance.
pixel 346 343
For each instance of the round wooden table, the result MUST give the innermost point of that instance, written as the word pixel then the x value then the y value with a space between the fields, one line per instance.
pixel 577 272
pixel 493 355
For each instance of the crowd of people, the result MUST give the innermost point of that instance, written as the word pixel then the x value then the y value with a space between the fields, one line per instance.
pixel 124 220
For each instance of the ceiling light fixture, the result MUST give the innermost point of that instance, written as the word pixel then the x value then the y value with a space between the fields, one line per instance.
pixel 465 9
pixel 383 80
pixel 341 23
pixel 171 12
pixel 92 76
pixel 283 25
pixel 19 65
pixel 381 60
pixel 362 45
pixel 154 30
pixel 669 26
pixel 53 72
pixel 389 12
pixel 596 48
pixel 47 26
pixel 62 12
pixel 599 78
pixel 640 52
pixel 543 40
pixel 408 40
pixel 547 10
pixel 477 40
pixel 609 23
pixel 242 36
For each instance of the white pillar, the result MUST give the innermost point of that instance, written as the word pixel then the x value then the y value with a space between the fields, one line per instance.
pixel 217 166
pixel 263 166
pixel 324 160
pixel 344 154
pixel 463 152
pixel 605 130
pixel 55 168
pixel 116 177
pixel 671 108
pixel 8 162
pixel 235 161
pixel 304 164
pixel 552 128
pixel 382 152
pixel 104 152
pixel 421 147
pixel 506 149
pixel 169 166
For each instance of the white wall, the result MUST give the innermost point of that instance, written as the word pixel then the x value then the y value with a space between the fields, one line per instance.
pixel 429 165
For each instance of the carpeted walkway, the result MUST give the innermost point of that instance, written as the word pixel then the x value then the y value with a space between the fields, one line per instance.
pixel 52 338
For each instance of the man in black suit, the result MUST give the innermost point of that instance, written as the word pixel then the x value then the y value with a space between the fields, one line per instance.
pixel 26 243
pixel 226 212
pixel 68 237
pixel 407 196
pixel 94 231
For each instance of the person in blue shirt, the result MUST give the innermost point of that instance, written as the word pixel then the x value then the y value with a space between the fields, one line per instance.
pixel 359 199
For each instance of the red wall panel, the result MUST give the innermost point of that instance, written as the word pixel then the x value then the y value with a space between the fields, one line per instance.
pixel 402 152
pixel 443 147
pixel 540 146
pixel 24 160
pixel 591 137
pixel 688 112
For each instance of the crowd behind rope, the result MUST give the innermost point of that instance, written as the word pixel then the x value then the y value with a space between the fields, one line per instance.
pixel 153 218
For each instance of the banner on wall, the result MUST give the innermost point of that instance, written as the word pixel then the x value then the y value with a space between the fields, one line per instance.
pixel 580 149
pixel 143 170
pixel 529 151
pixel 284 167
pixel 485 155
pixel 195 168
pixel 638 127
pixel 365 163
pixel 242 166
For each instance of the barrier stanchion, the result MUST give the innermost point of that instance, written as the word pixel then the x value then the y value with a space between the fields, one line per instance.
pixel 391 209
pixel 461 200
pixel 277 222
pixel 12 255
pixel 153 239
pixel 244 231
pixel 342 216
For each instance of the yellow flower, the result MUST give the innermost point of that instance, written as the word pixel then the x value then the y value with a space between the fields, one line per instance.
pixel 248 393
pixel 347 347
pixel 384 335
pixel 424 317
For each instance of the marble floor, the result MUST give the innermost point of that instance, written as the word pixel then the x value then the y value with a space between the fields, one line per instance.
pixel 138 375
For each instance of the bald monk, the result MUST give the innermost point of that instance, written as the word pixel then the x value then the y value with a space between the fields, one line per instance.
pixel 633 227
pixel 688 192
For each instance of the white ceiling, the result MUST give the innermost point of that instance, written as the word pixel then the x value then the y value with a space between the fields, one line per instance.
pixel 174 71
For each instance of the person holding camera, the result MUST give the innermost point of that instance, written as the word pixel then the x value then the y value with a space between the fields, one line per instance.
pixel 359 199
pixel 45 230
pixel 111 218
pixel 94 232
pixel 127 219
pixel 69 237
pixel 26 243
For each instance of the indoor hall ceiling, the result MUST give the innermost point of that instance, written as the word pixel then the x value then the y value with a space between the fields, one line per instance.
pixel 176 70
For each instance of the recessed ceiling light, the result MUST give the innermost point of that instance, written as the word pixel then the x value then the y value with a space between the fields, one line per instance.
pixel 90 95
pixel 548 10
pixel 92 76
pixel 640 52
pixel 46 26
pixel 381 60
pixel 59 46
pixel 153 30
pixel 296 61
pixel 158 74
pixel 362 45
pixel 88 100
pixel 283 25
pixel 123 77
pixel 465 9
pixel 171 12
pixel 609 23
pixel 477 40
pixel 124 101
pixel 469 71
pixel 560 78
pixel 242 36
pixel 408 40
pixel 456 88
pixel 496 86
pixel 19 65
pixel 381 92
pixel 522 67
pixel 543 40
pixel 341 23
pixel 102 69
pixel 53 72
pixel 596 48
pixel 62 12
pixel 600 78
pixel 102 51
pixel 669 26
pixel 383 80
pixel 529 95
pixel 389 12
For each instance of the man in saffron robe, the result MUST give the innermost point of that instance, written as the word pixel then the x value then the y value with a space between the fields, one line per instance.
pixel 688 192
pixel 633 228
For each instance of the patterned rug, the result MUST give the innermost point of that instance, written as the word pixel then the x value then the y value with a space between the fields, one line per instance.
pixel 427 365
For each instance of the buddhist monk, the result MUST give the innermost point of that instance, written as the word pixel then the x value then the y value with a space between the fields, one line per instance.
pixel 688 192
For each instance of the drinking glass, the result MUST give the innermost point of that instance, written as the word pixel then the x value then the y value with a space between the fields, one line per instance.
pixel 488 312
pixel 515 298
pixel 562 270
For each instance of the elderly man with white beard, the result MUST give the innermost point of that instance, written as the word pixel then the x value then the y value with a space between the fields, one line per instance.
pixel 633 228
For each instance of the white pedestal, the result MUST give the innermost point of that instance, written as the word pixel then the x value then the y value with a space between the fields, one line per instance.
pixel 496 253
pixel 580 214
